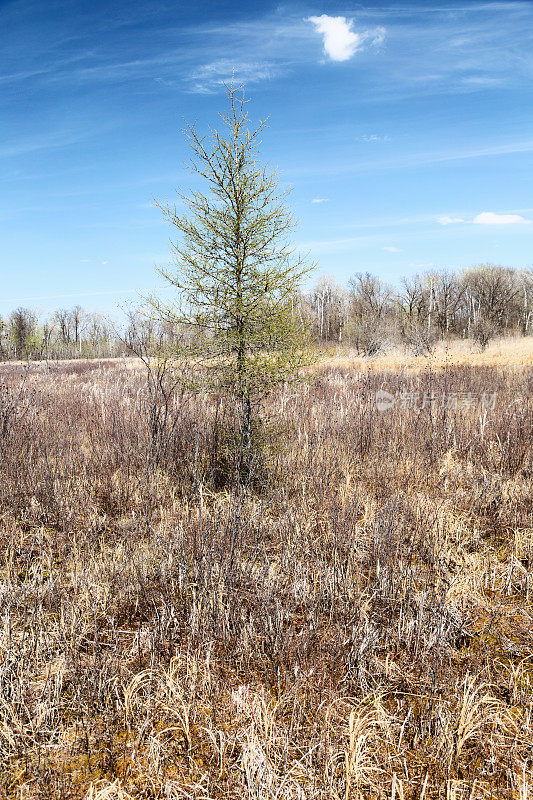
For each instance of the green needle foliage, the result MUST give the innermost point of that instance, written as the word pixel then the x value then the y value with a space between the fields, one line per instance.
pixel 236 273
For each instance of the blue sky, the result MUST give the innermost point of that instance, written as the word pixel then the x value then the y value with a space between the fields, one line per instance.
pixel 404 129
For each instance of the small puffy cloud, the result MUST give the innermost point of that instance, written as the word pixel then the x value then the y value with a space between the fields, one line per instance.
pixel 489 218
pixel 320 200
pixel 340 41
pixel 450 220
pixel 391 249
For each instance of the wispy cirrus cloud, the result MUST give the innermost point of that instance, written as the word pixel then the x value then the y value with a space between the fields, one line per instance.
pixel 475 48
pixel 273 46
pixel 453 49
pixel 45 141
pixel 446 220
pixel 487 218
pixel 374 137
pixel 211 77
pixel 418 158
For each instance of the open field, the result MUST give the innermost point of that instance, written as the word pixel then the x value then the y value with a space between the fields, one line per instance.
pixel 360 626
pixel 508 352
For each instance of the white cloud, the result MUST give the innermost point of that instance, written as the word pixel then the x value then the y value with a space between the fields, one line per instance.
pixel 483 81
pixel 320 200
pixel 391 249
pixel 340 41
pixel 489 218
pixel 450 220
pixel 215 75
pixel 374 137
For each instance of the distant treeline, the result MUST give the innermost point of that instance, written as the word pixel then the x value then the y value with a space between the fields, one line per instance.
pixel 479 303
pixel 67 333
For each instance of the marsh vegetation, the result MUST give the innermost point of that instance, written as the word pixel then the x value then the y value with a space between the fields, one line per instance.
pixel 356 624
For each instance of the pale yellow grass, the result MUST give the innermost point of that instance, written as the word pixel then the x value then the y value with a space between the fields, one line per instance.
pixel 510 352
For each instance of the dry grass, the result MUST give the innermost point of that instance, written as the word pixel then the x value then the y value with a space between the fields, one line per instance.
pixel 511 352
pixel 360 626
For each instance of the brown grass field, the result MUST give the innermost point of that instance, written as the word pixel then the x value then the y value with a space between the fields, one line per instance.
pixel 358 626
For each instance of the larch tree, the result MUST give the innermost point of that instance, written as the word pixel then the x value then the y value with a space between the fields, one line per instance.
pixel 236 274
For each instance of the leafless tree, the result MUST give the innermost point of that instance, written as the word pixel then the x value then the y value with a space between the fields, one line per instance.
pixel 62 318
pixel 370 303
pixel 76 317
pixel 525 299
pixel 329 309
pixel 445 295
pixel 491 292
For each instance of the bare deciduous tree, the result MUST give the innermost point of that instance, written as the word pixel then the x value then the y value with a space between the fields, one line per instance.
pixel 370 307
pixel 329 308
